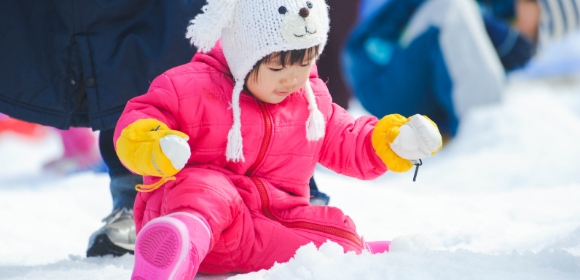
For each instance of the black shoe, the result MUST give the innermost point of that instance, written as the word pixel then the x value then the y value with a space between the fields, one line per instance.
pixel 116 237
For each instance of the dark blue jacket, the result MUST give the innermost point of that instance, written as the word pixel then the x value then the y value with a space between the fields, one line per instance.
pixel 390 78
pixel 76 63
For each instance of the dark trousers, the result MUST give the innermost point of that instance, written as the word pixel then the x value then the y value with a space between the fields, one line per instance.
pixel 123 181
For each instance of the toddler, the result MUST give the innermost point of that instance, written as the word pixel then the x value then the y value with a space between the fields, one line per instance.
pixel 228 142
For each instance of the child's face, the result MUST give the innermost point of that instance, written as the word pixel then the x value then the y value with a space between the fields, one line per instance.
pixel 274 83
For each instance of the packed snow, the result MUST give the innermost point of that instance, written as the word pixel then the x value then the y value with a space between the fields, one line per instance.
pixel 499 201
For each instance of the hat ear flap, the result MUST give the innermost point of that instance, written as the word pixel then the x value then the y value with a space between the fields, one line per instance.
pixel 206 28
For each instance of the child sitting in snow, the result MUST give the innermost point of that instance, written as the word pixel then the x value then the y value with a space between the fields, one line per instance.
pixel 225 194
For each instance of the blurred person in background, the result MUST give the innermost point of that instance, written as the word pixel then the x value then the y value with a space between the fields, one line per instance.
pixel 27 130
pixel 554 26
pixel 80 147
pixel 540 22
pixel 509 26
pixel 438 57
pixel 535 38
pixel 76 63
pixel 80 153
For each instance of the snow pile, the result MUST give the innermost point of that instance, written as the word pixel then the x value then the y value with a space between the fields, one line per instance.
pixel 500 201
pixel 401 263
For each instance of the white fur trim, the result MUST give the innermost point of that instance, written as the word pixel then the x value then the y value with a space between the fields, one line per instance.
pixel 206 28
pixel 315 126
pixel 235 146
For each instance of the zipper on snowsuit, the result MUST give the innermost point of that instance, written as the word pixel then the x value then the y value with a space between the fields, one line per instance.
pixel 265 200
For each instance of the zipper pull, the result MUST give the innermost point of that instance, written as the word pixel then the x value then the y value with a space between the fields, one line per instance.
pixel 417 164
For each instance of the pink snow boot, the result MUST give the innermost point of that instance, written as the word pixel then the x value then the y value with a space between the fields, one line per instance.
pixel 377 247
pixel 171 247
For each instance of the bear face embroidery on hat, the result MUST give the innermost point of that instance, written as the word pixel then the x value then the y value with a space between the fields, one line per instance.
pixel 298 22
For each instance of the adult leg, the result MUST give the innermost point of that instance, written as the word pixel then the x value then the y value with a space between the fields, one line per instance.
pixel 117 236
pixel 123 181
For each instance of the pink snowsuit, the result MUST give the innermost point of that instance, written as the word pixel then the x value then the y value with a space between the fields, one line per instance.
pixel 258 210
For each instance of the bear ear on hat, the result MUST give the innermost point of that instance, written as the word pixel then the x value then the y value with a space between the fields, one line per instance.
pixel 206 28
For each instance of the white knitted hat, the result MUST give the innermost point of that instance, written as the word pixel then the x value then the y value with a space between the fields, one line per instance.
pixel 252 29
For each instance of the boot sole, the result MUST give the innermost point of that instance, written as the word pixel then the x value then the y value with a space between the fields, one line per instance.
pixel 161 249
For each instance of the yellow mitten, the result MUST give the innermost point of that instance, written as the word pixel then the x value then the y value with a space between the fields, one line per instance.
pixel 398 140
pixel 149 147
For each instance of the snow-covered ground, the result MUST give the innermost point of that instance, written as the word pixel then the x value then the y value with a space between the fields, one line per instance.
pixel 500 201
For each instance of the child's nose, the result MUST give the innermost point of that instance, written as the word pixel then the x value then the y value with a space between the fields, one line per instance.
pixel 292 80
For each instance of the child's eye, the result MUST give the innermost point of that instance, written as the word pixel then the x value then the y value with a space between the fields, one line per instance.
pixel 276 69
pixel 305 65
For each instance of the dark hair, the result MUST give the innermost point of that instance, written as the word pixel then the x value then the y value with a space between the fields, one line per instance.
pixel 285 57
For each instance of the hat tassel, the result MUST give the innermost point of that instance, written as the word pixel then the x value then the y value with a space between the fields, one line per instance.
pixel 315 126
pixel 235 146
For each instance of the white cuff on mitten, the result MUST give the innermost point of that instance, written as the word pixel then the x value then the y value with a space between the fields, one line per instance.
pixel 176 149
pixel 417 139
